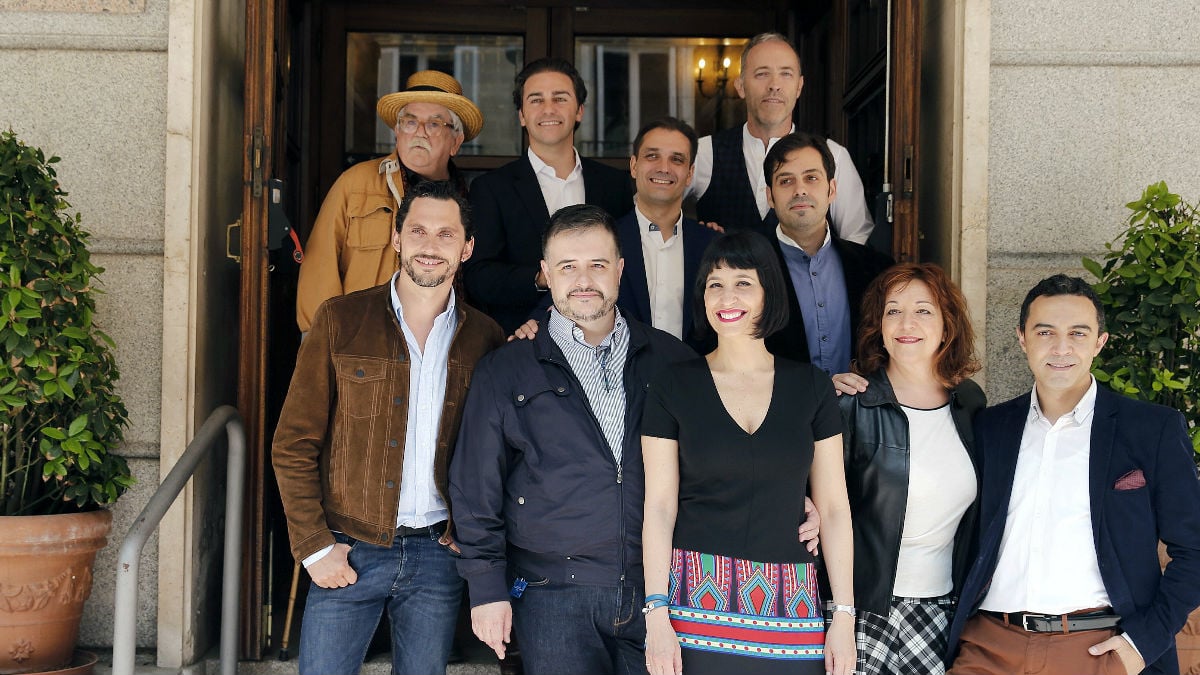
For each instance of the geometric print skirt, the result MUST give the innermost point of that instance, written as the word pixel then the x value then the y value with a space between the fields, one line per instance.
pixel 742 616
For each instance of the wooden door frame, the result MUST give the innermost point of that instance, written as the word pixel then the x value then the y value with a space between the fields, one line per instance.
pixel 904 110
pixel 253 308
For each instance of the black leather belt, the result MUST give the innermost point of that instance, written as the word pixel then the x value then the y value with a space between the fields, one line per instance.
pixel 405 531
pixel 1058 623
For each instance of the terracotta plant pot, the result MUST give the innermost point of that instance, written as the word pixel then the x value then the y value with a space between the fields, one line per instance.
pixel 45 577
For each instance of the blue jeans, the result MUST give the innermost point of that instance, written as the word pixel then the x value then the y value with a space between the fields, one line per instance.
pixel 415 580
pixel 584 630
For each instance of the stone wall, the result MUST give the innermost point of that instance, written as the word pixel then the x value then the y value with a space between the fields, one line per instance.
pixel 87 83
pixel 1090 102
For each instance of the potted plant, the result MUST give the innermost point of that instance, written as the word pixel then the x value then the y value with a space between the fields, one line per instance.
pixel 60 416
pixel 1150 287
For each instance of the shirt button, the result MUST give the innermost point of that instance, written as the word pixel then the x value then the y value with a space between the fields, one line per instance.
pixel 391 484
pixel 393 443
pixel 814 274
pixel 824 338
pixel 520 397
pixel 820 304
pixel 561 389
pixel 399 400
pixel 520 500
pixel 359 373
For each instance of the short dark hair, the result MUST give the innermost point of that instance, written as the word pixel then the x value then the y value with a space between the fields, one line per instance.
pixel 441 190
pixel 799 140
pixel 766 37
pixel 548 64
pixel 743 250
pixel 955 358
pixel 1061 284
pixel 580 217
pixel 670 124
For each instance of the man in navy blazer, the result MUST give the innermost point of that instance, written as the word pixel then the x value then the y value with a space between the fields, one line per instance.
pixel 512 205
pixel 662 249
pixel 1079 485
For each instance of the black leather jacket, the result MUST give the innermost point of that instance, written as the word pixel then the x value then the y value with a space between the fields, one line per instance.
pixel 875 442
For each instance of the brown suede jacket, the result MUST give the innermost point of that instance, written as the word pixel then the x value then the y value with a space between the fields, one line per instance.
pixel 338 451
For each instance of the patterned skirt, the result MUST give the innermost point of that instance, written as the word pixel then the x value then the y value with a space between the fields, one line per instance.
pixel 910 640
pixel 741 616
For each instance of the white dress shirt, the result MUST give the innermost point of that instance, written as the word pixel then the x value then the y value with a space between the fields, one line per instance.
pixel 664 272
pixel 558 192
pixel 1048 558
pixel 848 212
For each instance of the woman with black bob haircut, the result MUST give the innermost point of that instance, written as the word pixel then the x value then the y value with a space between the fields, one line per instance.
pixel 731 441
pixel 910 467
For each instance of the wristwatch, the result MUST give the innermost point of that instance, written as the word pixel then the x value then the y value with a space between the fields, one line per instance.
pixel 849 609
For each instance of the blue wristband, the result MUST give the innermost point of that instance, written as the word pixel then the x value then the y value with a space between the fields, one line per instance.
pixel 656 596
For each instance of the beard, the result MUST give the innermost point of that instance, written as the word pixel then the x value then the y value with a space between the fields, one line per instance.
pixel 430 279
pixel 563 305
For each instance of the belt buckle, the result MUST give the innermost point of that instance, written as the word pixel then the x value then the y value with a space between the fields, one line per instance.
pixel 1025 619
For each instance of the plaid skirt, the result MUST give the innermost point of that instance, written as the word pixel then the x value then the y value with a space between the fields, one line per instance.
pixel 910 640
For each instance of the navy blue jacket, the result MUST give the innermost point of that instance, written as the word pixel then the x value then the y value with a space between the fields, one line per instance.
pixel 1127 435
pixel 534 487
pixel 634 297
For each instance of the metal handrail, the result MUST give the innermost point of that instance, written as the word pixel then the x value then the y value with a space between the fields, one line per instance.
pixel 125 610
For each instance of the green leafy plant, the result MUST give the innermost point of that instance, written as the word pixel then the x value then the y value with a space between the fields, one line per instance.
pixel 60 415
pixel 1150 287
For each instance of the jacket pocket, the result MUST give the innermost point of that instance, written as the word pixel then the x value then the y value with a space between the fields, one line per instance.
pixel 360 384
pixel 370 223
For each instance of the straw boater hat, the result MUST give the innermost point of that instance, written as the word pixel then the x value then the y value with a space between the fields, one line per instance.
pixel 432 86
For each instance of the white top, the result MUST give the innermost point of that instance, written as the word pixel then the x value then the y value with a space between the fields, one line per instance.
pixel 1047 558
pixel 848 213
pixel 558 192
pixel 664 272
pixel 941 486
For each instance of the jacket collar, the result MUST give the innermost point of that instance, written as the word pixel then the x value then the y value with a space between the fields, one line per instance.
pixel 546 349
pixel 879 391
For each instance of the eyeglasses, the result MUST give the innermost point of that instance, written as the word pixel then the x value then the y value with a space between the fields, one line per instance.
pixel 433 126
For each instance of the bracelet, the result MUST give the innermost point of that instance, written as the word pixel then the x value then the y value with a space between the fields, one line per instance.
pixel 848 609
pixel 653 605
pixel 656 596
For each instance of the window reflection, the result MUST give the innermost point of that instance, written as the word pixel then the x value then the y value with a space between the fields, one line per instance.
pixel 632 80
pixel 380 63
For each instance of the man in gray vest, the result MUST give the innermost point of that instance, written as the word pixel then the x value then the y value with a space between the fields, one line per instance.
pixel 729 181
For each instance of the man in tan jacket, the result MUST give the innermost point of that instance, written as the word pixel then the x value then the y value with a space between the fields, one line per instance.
pixel 347 249
pixel 363 447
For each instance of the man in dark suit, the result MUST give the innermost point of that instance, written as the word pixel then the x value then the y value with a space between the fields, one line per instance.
pixel 662 248
pixel 829 274
pixel 1079 485
pixel 512 205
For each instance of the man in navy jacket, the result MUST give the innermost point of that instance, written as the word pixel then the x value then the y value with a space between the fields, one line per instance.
pixel 662 248
pixel 1079 485
pixel 546 483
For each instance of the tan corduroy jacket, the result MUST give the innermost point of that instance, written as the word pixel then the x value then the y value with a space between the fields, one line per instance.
pixel 338 451
pixel 350 246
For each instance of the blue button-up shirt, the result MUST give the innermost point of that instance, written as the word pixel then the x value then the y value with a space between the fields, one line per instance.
pixel 420 504
pixel 820 285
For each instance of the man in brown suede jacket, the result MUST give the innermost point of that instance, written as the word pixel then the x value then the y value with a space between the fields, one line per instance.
pixel 363 447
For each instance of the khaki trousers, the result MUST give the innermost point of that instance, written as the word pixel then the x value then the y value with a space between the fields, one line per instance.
pixel 991 647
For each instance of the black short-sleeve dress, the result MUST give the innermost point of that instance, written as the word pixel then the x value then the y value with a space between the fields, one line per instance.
pixel 743 590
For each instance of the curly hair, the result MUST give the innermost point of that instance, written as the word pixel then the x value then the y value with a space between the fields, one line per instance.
pixel 955 359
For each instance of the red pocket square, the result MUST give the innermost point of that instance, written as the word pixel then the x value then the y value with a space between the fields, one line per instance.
pixel 1131 481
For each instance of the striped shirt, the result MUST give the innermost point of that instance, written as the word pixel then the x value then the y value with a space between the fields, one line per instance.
pixel 600 371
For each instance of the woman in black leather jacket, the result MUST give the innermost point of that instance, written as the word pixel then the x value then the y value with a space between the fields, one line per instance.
pixel 910 472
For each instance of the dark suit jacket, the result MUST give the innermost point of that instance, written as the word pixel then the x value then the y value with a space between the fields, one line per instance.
pixel 634 298
pixel 1127 435
pixel 510 215
pixel 860 266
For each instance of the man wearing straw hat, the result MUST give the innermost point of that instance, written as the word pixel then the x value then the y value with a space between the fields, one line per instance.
pixel 348 248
